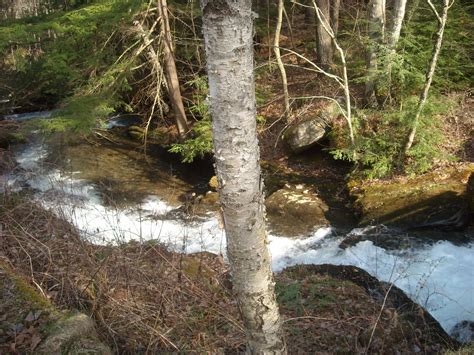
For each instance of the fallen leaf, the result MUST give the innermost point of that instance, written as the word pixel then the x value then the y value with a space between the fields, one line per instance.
pixel 30 318
pixel 35 340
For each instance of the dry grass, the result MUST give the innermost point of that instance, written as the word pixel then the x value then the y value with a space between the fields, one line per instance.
pixel 143 297
pixel 146 299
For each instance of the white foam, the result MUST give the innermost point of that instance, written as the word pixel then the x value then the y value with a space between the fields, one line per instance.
pixel 439 277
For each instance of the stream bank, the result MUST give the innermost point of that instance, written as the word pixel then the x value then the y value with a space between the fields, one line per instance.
pixel 144 297
pixel 115 196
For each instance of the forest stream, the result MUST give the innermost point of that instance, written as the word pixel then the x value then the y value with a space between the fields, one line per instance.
pixel 113 196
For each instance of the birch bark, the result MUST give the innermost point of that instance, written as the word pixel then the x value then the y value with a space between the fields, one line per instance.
pixel 397 21
pixel 227 28
pixel 376 19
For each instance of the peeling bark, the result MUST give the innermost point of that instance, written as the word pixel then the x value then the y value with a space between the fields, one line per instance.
pixel 227 28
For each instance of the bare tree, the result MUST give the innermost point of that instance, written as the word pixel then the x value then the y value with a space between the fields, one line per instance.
pixel 227 28
pixel 171 72
pixel 281 66
pixel 442 19
pixel 323 39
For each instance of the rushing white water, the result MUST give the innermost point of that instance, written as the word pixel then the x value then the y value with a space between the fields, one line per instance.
pixel 440 277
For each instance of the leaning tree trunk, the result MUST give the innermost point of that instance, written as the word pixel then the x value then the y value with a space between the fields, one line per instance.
pixel 323 39
pixel 227 28
pixel 430 73
pixel 171 72
pixel 376 14
pixel 281 66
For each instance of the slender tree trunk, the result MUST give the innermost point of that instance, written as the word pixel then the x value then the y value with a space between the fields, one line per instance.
pixel 430 73
pixel 393 36
pixel 376 18
pixel 323 39
pixel 171 72
pixel 399 8
pixel 344 81
pixel 281 66
pixel 335 7
pixel 227 28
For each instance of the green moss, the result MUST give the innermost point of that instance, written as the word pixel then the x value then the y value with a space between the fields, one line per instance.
pixel 412 200
pixel 26 293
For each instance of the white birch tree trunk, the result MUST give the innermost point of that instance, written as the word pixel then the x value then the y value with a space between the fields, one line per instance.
pixel 227 28
pixel 431 69
pixel 399 8
pixel 397 17
pixel 376 19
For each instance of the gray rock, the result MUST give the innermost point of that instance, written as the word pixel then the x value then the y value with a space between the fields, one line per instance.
pixel 295 211
pixel 73 335
pixel 463 332
pixel 304 134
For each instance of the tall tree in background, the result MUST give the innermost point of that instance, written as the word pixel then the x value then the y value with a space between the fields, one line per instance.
pixel 442 19
pixel 335 7
pixel 398 14
pixel 170 71
pixel 323 39
pixel 376 22
pixel 228 31
pixel 16 9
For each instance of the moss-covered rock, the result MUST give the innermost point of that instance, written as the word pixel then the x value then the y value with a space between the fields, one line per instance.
pixel 31 324
pixel 411 202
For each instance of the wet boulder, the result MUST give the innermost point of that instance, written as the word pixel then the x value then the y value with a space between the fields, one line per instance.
pixel 306 133
pixel 295 210
pixel 463 332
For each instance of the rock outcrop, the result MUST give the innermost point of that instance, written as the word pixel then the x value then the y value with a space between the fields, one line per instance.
pixel 436 200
